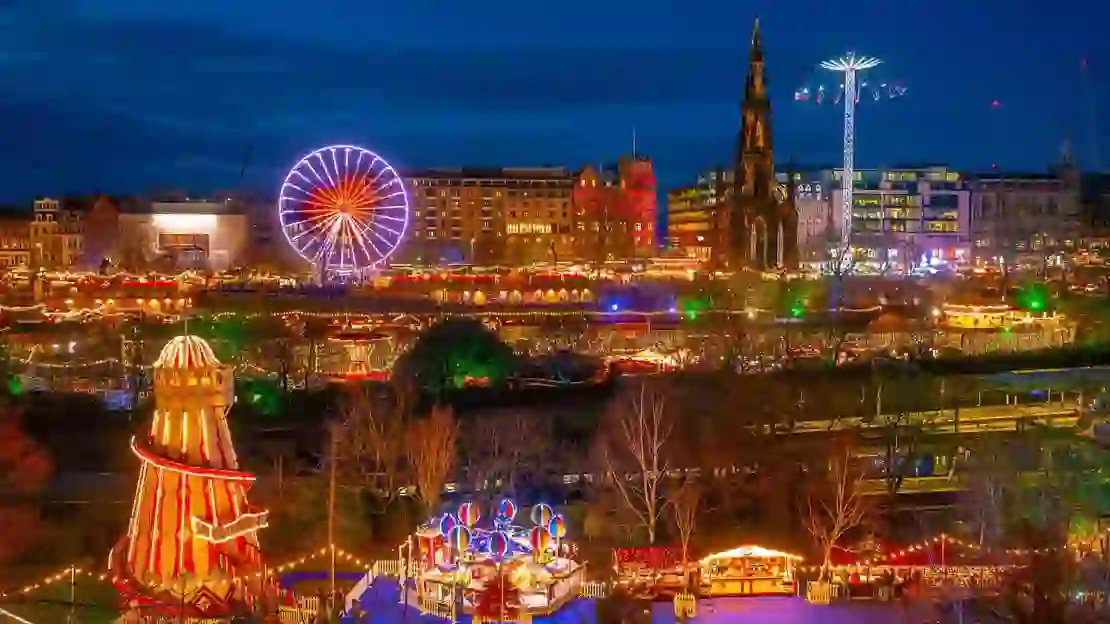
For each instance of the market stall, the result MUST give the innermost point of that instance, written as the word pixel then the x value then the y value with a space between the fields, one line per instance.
pixel 748 571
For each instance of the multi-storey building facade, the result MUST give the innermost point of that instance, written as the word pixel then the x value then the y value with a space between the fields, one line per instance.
pixel 639 194
pixel 15 242
pixel 690 220
pixel 813 205
pixel 57 235
pixel 692 214
pixel 267 249
pixel 903 218
pixel 102 240
pixel 692 210
pixel 614 211
pixel 488 216
pixel 1025 218
pixel 182 234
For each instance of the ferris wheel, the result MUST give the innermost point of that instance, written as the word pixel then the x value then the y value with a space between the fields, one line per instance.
pixel 344 209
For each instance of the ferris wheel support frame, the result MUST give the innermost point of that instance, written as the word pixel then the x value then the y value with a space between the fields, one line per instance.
pixel 849 65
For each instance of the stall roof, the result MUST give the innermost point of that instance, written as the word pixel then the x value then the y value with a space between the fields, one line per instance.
pixel 757 552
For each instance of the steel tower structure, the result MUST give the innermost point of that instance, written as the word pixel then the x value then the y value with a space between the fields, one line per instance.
pixel 849 65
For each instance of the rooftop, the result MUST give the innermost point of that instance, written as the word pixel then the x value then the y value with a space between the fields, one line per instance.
pixel 187 352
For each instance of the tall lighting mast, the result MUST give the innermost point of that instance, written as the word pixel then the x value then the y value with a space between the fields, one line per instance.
pixel 849 65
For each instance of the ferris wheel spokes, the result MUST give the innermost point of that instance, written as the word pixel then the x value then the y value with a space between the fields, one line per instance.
pixel 340 207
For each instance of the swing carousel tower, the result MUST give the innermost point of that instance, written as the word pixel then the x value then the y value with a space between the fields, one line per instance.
pixel 192 539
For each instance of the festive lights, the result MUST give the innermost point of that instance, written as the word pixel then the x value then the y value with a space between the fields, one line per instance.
pixel 72 573
pixel 756 552
pixel 892 557
pixel 343 208
pixel 191 529
pixel 185 469
pixel 220 533
pixel 69 574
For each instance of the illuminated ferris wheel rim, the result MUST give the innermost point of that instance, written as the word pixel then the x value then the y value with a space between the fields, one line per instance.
pixel 341 214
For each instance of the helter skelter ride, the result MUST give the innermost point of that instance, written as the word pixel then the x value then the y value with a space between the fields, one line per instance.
pixel 344 209
pixel 500 572
pixel 192 541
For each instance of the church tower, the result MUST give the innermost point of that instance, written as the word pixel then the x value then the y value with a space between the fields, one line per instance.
pixel 761 224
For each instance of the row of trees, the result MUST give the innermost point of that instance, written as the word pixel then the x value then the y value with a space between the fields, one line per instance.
pixel 661 460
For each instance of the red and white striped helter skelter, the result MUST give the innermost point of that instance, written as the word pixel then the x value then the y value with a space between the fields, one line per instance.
pixel 192 534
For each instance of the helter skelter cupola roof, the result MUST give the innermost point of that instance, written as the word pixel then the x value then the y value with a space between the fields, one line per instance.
pixel 187 353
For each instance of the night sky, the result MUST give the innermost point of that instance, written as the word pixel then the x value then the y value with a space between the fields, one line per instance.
pixel 133 96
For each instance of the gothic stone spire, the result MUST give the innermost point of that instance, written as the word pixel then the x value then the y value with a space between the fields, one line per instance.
pixel 756 88
pixel 761 231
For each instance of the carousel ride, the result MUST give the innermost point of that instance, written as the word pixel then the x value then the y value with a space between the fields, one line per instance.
pixel 500 572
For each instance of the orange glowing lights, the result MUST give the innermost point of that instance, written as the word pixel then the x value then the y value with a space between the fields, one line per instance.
pixel 349 195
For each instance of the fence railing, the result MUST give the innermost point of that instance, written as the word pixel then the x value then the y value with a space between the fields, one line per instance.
pixel 594 589
pixel 308 607
pixel 386 567
pixel 392 568
pixel 438 609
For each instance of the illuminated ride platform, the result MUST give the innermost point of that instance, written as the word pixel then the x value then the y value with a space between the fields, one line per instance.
pixel 506 572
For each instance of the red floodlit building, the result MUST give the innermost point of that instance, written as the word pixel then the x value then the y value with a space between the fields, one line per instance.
pixel 614 210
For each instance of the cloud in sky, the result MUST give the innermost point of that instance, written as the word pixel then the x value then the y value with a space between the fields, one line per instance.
pixel 122 94
pixel 194 89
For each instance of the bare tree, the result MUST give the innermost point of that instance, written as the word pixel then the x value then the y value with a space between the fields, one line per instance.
pixel 635 457
pixel 742 353
pixel 685 506
pixel 373 447
pixel 984 499
pixel 836 505
pixel 430 446
pixel 504 448
pixel 275 350
pixel 842 262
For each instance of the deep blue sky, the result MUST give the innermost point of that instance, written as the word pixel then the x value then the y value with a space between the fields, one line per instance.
pixel 131 95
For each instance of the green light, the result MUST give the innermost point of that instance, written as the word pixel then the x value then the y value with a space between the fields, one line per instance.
pixel 1033 298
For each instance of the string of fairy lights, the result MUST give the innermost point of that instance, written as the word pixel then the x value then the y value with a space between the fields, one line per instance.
pixel 930 544
pixel 104 310
pixel 367 317
pixel 73 574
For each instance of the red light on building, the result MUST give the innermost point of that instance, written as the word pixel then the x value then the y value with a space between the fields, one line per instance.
pixel 615 210
pixel 639 196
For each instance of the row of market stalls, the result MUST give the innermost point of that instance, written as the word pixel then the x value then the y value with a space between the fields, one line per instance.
pixel 659 572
